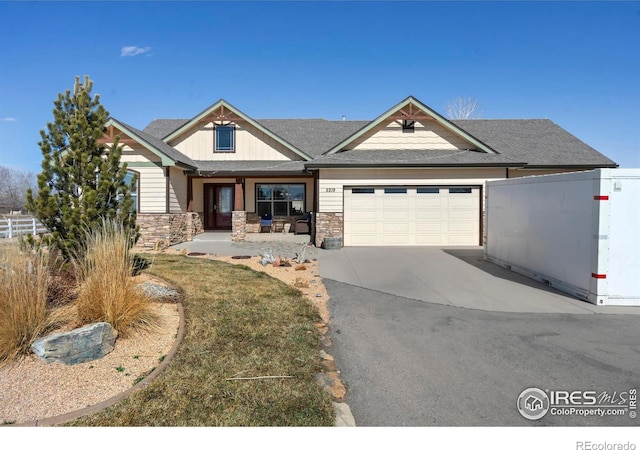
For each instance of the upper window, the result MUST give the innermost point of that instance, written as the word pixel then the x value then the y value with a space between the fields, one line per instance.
pixel 225 138
pixel 280 199
pixel 408 126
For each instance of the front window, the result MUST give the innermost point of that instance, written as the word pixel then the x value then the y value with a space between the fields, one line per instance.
pixel 280 199
pixel 225 135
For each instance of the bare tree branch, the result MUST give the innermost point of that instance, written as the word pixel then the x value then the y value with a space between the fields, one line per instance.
pixel 463 108
pixel 13 188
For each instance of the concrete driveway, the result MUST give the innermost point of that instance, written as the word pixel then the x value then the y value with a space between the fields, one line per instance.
pixel 428 336
pixel 456 276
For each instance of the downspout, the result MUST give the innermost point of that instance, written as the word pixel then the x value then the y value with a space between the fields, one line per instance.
pixel 167 179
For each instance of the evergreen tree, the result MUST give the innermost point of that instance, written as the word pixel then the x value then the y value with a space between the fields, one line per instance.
pixel 82 182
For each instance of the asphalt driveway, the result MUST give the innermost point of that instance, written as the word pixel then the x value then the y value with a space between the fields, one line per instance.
pixel 434 337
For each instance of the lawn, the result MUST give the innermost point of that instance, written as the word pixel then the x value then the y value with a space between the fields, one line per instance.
pixel 239 324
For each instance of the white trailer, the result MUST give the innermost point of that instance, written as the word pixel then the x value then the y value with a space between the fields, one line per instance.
pixel 578 232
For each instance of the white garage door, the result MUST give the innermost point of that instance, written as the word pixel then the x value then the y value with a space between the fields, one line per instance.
pixel 411 215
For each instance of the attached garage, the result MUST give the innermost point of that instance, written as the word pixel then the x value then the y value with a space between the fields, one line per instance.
pixel 412 215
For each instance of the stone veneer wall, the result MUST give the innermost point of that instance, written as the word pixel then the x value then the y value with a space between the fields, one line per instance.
pixel 163 230
pixel 328 225
pixel 238 225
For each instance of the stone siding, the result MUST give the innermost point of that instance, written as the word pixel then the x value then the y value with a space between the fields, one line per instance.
pixel 328 225
pixel 238 226
pixel 162 230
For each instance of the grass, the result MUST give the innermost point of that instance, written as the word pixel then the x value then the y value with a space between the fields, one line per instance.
pixel 24 312
pixel 239 323
pixel 108 293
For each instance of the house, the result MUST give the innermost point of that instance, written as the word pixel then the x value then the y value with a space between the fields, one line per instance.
pixel 408 177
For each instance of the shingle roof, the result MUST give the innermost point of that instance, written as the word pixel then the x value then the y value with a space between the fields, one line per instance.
pixel 414 158
pixel 159 145
pixel 313 136
pixel 237 167
pixel 161 128
pixel 538 142
pixel 532 142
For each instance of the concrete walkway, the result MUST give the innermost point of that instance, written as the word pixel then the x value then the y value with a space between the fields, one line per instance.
pixel 456 276
pixel 219 243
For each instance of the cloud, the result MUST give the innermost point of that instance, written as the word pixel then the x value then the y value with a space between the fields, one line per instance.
pixel 133 50
pixel 9 119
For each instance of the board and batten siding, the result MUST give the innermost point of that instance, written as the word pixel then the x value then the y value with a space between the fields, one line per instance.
pixel 333 181
pixel 251 144
pixel 426 136
pixel 177 191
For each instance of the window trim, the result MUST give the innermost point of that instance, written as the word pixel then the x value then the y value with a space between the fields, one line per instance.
pixel 288 201
pixel 216 147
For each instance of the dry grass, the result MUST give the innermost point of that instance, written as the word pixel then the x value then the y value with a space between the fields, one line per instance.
pixel 107 292
pixel 239 324
pixel 24 313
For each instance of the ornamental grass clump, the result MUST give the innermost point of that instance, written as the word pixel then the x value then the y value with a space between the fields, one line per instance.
pixel 24 314
pixel 107 291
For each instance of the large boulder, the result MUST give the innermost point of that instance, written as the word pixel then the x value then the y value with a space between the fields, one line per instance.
pixel 76 346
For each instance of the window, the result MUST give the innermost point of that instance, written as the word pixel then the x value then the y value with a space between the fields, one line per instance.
pixel 363 190
pixel 134 192
pixel 428 190
pixel 408 126
pixel 280 199
pixel 395 190
pixel 459 190
pixel 225 135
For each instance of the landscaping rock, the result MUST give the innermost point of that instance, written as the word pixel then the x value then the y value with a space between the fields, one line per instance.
pixel 76 346
pixel 331 383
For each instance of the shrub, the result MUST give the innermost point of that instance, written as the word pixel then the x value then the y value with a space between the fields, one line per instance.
pixel 24 316
pixel 107 291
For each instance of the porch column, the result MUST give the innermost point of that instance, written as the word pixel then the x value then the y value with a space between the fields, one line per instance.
pixel 238 198
pixel 189 194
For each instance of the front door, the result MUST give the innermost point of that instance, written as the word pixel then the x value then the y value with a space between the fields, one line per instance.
pixel 218 201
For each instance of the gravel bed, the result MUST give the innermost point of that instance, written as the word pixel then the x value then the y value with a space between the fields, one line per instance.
pixel 32 389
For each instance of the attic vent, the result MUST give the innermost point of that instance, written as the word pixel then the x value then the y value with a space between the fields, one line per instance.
pixel 408 126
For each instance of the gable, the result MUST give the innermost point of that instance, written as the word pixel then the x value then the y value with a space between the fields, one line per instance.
pixel 251 144
pixel 411 125
pixel 193 134
pixel 423 135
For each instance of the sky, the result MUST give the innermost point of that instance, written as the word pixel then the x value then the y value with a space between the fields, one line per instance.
pixel 576 63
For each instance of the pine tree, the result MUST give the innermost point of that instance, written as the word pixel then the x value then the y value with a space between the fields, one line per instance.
pixel 82 182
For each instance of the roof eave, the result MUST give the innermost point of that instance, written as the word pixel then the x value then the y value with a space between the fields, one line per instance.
pixel 164 159
pixel 411 165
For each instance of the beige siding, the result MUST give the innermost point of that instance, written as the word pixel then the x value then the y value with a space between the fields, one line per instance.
pixel 333 181
pixel 250 144
pixel 152 189
pixel 177 191
pixel 138 154
pixel 427 135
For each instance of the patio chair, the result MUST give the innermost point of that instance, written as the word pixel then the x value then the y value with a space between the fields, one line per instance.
pixel 265 223
pixel 303 226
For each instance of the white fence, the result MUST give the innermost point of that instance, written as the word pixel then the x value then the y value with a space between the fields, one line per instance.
pixel 12 227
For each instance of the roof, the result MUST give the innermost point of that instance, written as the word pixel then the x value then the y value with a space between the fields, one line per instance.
pixel 237 168
pixel 414 158
pixel 538 142
pixel 154 144
pixel 535 143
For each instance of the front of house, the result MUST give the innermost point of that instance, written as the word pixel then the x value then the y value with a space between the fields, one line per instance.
pixel 408 177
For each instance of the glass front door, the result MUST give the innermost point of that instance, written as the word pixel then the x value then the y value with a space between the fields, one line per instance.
pixel 218 200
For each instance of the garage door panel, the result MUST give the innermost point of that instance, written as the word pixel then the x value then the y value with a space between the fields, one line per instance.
pixel 402 216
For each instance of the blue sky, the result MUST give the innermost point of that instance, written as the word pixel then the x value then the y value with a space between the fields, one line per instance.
pixel 576 63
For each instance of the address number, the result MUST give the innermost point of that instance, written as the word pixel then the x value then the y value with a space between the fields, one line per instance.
pixel 330 190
